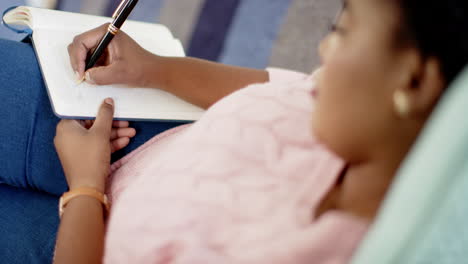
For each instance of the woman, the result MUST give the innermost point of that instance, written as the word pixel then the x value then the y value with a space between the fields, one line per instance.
pixel 248 183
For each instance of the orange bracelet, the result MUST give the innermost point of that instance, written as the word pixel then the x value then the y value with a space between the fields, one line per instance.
pixel 86 191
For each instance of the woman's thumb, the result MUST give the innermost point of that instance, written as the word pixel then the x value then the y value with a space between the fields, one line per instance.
pixel 105 116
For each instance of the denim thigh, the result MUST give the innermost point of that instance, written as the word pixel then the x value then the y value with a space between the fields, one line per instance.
pixel 28 226
pixel 29 159
pixel 31 177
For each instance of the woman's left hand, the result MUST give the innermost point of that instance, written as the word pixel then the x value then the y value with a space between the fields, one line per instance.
pixel 85 147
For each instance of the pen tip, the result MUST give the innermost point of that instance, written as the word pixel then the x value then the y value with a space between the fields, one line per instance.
pixel 80 81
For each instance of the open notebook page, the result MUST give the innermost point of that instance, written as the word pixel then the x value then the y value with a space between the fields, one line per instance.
pixel 70 100
pixel 67 21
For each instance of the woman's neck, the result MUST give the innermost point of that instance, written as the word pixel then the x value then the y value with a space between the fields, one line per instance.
pixel 365 184
pixel 363 190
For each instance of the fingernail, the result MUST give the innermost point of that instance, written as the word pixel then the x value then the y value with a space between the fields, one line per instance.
pixel 88 78
pixel 109 101
pixel 78 77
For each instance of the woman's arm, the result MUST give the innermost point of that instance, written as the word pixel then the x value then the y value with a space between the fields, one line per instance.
pixel 198 81
pixel 84 149
pixel 81 234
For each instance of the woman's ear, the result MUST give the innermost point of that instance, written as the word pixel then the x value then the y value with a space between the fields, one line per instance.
pixel 428 88
pixel 423 87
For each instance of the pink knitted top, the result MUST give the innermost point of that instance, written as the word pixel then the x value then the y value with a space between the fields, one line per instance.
pixel 240 185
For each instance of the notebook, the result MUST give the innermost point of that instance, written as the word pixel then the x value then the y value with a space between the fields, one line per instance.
pixel 52 31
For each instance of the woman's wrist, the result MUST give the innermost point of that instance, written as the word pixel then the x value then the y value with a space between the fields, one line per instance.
pixel 82 192
pixel 88 201
pixel 98 185
pixel 153 75
pixel 95 179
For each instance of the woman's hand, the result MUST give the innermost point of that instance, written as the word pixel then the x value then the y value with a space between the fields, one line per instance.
pixel 123 63
pixel 85 148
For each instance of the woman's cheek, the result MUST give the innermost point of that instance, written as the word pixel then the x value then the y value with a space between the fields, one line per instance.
pixel 332 104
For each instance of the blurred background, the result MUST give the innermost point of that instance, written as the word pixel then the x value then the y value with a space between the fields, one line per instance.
pixel 250 33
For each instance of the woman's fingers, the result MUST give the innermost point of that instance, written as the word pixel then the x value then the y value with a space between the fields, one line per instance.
pixel 119 143
pixel 80 47
pixel 89 123
pixel 115 124
pixel 120 137
pixel 109 74
pixel 120 124
pixel 122 132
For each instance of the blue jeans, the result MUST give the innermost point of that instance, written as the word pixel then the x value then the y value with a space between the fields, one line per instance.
pixel 31 177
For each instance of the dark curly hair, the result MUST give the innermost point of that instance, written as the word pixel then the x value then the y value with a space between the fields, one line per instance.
pixel 438 28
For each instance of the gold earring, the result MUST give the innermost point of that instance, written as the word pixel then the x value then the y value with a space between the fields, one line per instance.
pixel 401 103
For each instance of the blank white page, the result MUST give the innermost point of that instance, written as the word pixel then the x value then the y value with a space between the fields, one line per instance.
pixel 70 100
pixel 67 21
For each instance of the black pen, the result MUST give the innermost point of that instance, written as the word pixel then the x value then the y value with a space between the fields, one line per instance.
pixel 120 15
